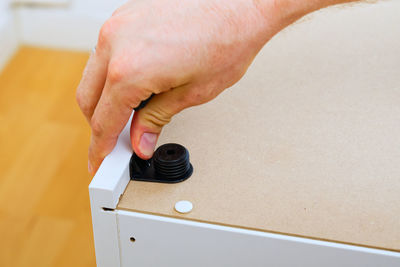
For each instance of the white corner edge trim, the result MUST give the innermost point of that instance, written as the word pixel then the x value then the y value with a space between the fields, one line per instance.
pixel 112 177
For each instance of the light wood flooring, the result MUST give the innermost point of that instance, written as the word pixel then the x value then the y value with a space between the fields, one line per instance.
pixel 44 213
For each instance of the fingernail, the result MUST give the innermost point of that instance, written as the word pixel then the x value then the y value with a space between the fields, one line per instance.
pixel 147 144
pixel 89 167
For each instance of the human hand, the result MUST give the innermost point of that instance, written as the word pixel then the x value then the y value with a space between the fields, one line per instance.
pixel 184 52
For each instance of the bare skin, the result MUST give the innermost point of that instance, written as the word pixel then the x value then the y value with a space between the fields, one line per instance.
pixel 184 52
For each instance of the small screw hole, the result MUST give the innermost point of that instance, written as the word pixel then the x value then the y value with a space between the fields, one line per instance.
pixel 170 152
pixel 132 239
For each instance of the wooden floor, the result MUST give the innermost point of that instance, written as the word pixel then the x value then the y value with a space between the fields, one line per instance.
pixel 44 213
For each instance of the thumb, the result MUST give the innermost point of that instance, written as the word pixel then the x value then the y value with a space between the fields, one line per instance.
pixel 148 122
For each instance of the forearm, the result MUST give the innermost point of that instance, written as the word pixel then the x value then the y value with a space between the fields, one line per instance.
pixel 295 9
pixel 286 12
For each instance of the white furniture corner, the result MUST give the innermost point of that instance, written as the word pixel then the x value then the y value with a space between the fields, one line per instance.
pixel 327 137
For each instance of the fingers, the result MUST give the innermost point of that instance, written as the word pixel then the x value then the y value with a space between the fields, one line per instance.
pixel 109 118
pixel 92 84
pixel 148 122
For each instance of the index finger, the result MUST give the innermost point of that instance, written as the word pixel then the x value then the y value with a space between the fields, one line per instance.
pixel 92 83
pixel 109 118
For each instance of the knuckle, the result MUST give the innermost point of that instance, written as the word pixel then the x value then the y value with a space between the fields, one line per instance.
pixel 210 93
pixel 97 127
pixel 107 31
pixel 196 97
pixel 134 99
pixel 190 99
pixel 102 142
pixel 79 98
pixel 121 68
pixel 82 103
pixel 104 34
pixel 157 117
pixel 116 72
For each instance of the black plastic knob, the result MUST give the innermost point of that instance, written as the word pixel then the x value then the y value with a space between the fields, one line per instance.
pixel 169 164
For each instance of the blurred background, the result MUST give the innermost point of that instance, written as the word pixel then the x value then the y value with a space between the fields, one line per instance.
pixel 45 212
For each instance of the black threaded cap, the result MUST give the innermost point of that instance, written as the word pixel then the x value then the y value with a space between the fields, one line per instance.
pixel 172 161
pixel 169 164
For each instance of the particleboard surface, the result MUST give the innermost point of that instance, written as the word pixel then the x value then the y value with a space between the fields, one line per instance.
pixel 307 143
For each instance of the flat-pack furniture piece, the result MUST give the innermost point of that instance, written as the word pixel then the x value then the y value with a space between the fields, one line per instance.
pixel 298 164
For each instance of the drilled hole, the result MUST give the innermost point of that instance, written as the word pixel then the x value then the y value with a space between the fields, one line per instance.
pixel 132 239
pixel 170 152
pixel 107 209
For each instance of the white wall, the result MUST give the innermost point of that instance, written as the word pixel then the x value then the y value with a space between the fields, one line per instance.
pixel 73 27
pixel 4 9
pixel 8 37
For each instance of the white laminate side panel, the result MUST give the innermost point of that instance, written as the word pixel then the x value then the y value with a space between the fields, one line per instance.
pixel 163 241
pixel 105 190
pixel 105 231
